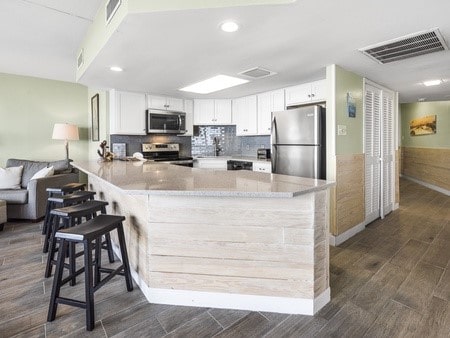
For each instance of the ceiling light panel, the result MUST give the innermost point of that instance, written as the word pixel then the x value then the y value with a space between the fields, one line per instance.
pixel 432 83
pixel 214 84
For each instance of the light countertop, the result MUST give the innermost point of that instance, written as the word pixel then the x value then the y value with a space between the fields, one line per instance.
pixel 141 178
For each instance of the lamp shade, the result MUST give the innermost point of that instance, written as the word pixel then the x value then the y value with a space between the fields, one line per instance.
pixel 65 131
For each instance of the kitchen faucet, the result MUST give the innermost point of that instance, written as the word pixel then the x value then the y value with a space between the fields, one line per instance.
pixel 217 147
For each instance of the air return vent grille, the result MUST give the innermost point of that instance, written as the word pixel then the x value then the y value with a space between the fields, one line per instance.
pixel 111 8
pixel 406 47
pixel 257 73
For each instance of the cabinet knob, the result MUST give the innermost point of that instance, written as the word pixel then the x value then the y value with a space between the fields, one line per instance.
pixel 309 95
pixel 312 95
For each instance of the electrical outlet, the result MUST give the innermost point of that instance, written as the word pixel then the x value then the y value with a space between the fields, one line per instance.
pixel 342 130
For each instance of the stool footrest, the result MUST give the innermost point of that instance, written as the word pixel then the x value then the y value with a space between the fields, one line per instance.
pixel 112 273
pixel 70 301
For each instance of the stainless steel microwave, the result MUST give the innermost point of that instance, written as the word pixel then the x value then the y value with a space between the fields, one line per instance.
pixel 165 122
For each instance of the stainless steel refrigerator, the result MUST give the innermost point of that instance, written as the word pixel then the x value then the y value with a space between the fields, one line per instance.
pixel 298 142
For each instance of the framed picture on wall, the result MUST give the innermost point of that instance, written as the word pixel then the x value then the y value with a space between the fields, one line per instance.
pixel 95 118
pixel 424 125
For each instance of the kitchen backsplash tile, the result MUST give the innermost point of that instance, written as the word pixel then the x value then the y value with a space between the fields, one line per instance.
pixel 134 142
pixel 250 144
pixel 201 145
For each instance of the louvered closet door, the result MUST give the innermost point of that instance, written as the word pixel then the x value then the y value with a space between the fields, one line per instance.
pixel 388 156
pixel 372 150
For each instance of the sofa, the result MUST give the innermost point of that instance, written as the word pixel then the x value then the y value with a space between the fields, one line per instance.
pixel 29 202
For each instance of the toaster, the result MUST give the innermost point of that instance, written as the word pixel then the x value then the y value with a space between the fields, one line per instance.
pixel 263 153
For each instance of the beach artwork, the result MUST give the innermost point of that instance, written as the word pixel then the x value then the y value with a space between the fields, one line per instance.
pixel 425 125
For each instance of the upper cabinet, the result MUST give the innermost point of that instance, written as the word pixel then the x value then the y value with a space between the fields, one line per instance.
pixel 189 109
pixel 268 103
pixel 127 113
pixel 306 93
pixel 245 115
pixel 165 102
pixel 208 112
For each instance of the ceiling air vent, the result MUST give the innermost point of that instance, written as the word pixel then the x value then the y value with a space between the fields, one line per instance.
pixel 405 47
pixel 111 9
pixel 80 60
pixel 257 73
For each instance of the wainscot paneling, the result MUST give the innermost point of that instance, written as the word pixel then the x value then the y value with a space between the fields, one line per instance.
pixel 349 192
pixel 430 165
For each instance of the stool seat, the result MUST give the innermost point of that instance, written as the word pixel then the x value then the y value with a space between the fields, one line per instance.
pixel 79 210
pixel 74 198
pixel 68 188
pixel 91 229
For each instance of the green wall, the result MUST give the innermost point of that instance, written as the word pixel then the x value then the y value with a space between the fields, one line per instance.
pixel 348 82
pixel 410 111
pixel 29 107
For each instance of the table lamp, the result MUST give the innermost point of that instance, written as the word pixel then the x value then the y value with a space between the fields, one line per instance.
pixel 66 132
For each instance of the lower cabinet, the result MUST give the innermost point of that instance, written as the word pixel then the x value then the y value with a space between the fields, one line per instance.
pixel 264 167
pixel 211 163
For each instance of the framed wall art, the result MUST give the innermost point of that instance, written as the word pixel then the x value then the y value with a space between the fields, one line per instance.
pixel 424 125
pixel 95 118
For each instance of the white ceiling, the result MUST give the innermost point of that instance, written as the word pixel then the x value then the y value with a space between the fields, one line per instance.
pixel 163 51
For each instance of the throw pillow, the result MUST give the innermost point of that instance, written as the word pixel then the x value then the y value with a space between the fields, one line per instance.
pixel 11 177
pixel 44 172
pixel 61 166
pixel 29 168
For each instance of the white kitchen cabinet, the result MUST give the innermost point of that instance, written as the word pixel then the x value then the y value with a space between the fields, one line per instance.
pixel 245 115
pixel 222 111
pixel 306 93
pixel 268 103
pixel 209 112
pixel 127 113
pixel 189 110
pixel 165 102
pixel 264 167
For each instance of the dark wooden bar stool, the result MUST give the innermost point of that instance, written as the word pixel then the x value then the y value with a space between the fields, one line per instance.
pixel 61 201
pixel 90 234
pixel 64 190
pixel 68 217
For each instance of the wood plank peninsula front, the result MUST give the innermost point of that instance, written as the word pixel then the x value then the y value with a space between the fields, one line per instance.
pixel 223 239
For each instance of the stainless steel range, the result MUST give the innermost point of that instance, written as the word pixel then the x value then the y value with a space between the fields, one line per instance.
pixel 166 153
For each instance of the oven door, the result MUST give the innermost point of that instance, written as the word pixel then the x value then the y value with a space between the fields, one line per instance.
pixel 165 122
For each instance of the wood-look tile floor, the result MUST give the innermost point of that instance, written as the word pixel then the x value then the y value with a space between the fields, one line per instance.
pixel 391 280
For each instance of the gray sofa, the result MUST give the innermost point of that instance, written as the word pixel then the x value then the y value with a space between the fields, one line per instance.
pixel 29 202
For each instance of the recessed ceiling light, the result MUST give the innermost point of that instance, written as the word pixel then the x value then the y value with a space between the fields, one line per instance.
pixel 432 83
pixel 116 69
pixel 214 84
pixel 229 26
pixel 421 99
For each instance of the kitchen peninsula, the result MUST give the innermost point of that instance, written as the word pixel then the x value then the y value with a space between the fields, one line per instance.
pixel 224 239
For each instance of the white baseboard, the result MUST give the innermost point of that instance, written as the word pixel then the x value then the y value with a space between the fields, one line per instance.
pixel 219 300
pixel 428 185
pixel 339 239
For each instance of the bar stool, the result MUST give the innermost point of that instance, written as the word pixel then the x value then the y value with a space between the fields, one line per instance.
pixel 90 234
pixel 64 190
pixel 68 217
pixel 61 201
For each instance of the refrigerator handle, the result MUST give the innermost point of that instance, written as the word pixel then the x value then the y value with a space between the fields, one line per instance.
pixel 274 141
pixel 274 134
pixel 274 159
